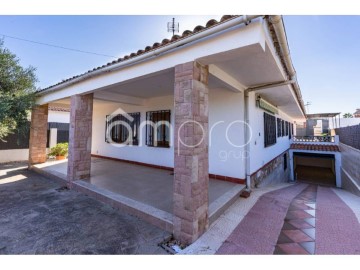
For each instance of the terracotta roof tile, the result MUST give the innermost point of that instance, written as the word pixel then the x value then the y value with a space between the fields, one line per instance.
pixel 58 109
pixel 165 42
pixel 315 147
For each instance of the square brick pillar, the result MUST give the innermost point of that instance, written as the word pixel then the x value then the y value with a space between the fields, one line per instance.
pixel 191 170
pixel 38 134
pixel 79 160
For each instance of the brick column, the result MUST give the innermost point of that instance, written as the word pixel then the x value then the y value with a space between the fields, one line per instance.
pixel 38 134
pixel 191 173
pixel 79 161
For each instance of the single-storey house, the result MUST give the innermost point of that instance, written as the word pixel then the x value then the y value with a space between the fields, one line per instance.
pixel 219 102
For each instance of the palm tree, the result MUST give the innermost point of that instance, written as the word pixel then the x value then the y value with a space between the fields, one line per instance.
pixel 348 115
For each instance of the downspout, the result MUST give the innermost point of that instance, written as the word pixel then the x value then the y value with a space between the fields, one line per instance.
pixel 247 140
pixel 156 52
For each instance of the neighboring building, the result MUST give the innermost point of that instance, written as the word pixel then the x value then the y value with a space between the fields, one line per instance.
pixel 210 85
pixel 318 124
pixel 59 113
pixel 357 113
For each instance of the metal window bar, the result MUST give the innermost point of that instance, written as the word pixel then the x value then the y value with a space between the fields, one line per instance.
pixel 278 120
pixel 119 133
pixel 162 134
pixel 269 130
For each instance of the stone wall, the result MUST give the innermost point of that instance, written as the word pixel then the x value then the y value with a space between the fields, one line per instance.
pixel 350 169
pixel 349 135
pixel 191 158
pixel 79 161
pixel 38 134
pixel 272 172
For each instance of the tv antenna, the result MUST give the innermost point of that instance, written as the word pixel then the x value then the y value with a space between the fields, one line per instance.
pixel 173 26
pixel 307 105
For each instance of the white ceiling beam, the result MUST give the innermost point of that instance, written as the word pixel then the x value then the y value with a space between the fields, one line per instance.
pixel 118 98
pixel 226 79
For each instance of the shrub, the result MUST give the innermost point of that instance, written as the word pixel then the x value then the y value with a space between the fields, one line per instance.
pixel 61 149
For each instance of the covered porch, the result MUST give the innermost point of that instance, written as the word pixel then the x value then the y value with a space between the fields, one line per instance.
pixel 201 88
pixel 145 191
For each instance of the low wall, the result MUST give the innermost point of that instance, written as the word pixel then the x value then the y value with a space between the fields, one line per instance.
pixel 350 169
pixel 14 155
pixel 272 172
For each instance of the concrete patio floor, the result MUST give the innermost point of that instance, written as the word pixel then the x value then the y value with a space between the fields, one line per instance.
pixel 145 184
pixel 146 191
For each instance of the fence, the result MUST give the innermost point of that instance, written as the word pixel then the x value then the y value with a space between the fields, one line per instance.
pixel 15 147
pixel 349 135
pixel 62 132
pixel 17 140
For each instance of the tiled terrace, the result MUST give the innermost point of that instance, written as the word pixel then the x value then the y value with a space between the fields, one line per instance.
pixel 149 190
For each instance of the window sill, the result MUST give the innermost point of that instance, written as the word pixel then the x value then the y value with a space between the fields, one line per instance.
pixel 159 146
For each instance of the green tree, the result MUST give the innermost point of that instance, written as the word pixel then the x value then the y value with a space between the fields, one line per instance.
pixel 348 115
pixel 17 93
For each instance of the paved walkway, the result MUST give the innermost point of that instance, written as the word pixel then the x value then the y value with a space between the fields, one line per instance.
pixel 301 219
pixel 337 228
pixel 297 235
pixel 37 216
pixel 259 230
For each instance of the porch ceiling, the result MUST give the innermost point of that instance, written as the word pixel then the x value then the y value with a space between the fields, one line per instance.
pixel 284 98
pixel 250 65
pixel 153 85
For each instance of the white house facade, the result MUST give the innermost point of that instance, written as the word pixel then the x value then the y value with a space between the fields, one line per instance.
pixel 218 102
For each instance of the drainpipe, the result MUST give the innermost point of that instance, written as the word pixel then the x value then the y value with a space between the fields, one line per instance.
pixel 154 53
pixel 247 139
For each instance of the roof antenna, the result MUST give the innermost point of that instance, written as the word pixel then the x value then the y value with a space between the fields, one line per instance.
pixel 173 26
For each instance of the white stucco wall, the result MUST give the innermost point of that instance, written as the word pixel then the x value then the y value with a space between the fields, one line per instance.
pixel 141 153
pixel 226 151
pixel 259 155
pixel 59 117
pixel 226 156
pixel 13 155
pixel 225 107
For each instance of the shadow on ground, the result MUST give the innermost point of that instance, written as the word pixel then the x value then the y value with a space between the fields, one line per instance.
pixel 40 217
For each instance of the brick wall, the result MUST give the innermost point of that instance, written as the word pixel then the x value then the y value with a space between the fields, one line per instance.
pixel 349 135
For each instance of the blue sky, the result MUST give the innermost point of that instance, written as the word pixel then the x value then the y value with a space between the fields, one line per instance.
pixel 324 49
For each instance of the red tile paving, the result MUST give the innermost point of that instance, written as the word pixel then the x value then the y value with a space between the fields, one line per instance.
pixel 258 232
pixel 268 228
pixel 298 214
pixel 300 224
pixel 293 248
pixel 302 237
pixel 297 236
pixel 337 228
pixel 315 147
